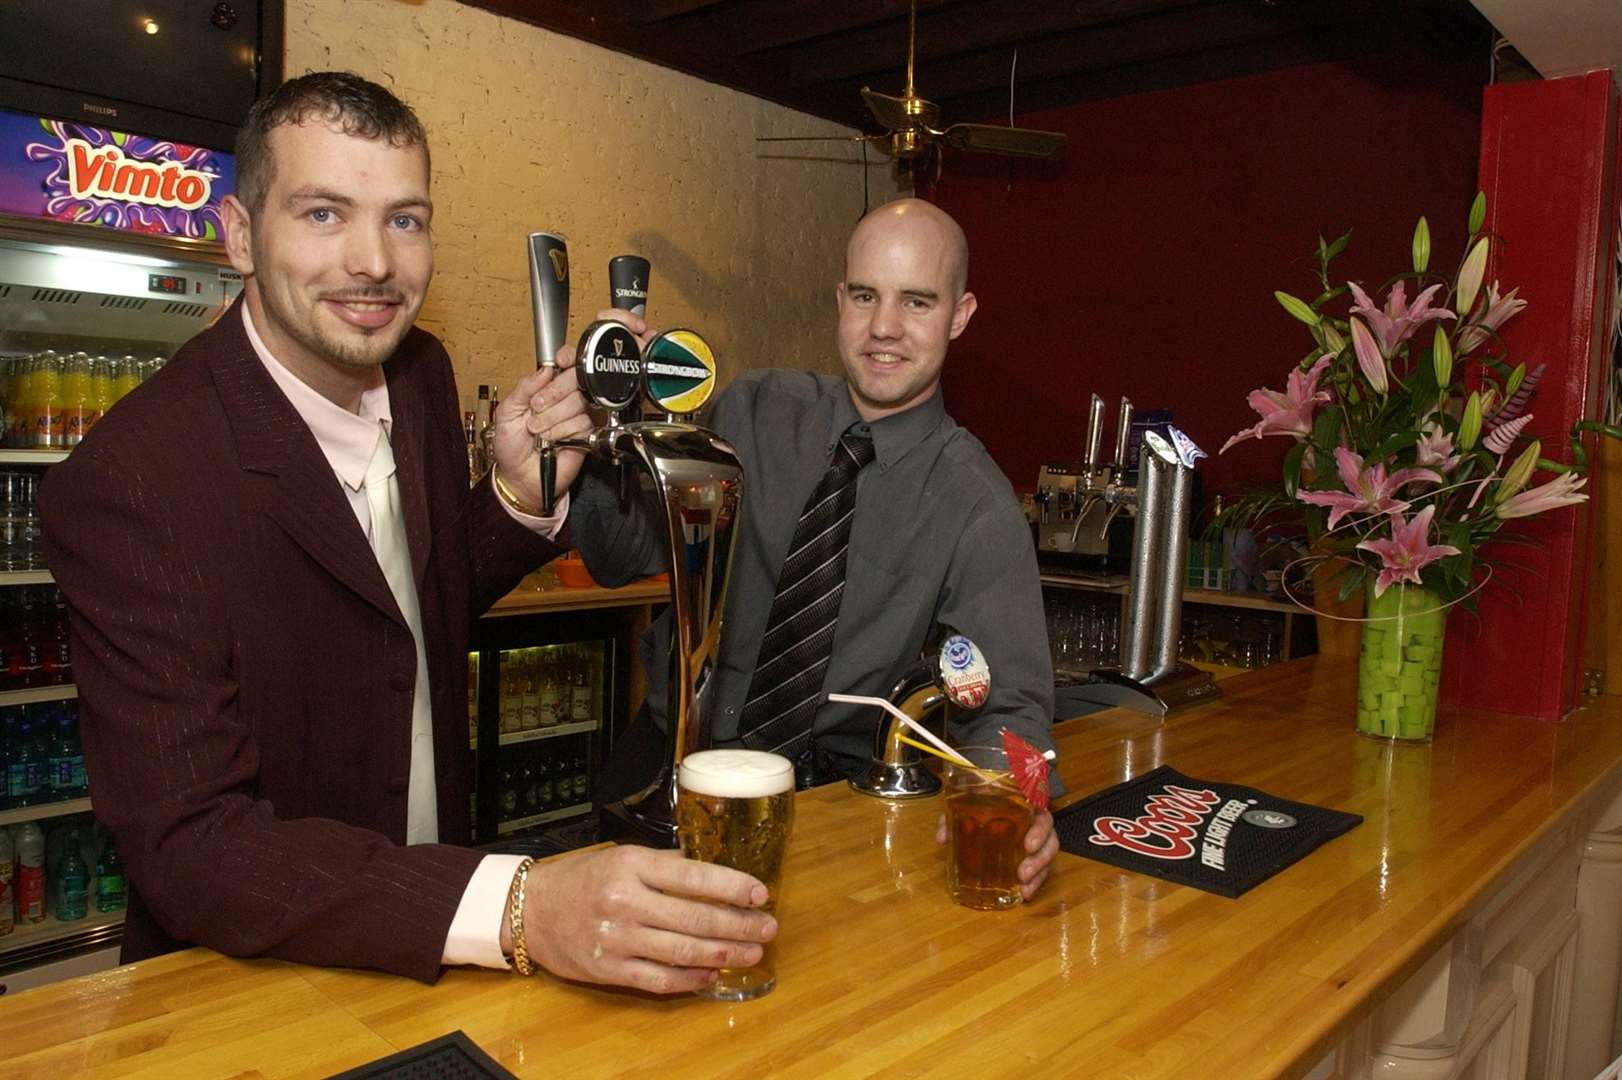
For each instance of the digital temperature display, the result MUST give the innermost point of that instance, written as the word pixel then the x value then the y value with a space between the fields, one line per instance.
pixel 168 283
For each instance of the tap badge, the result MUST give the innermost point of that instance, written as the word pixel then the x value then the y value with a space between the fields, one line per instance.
pixel 560 263
pixel 610 365
pixel 679 369
pixel 964 672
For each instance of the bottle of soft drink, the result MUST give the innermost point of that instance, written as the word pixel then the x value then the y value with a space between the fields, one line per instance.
pixel 11 522
pixel 50 416
pixel 101 385
pixel 111 890
pixel 126 376
pixel 72 882
pixel 78 399
pixel 16 775
pixel 59 640
pixel 30 843
pixel 67 757
pixel 20 429
pixel 28 527
pixel 8 882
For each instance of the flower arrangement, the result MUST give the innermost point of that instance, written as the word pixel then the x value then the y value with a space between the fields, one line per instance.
pixel 1409 421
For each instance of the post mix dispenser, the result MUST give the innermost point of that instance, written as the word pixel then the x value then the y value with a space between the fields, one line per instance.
pixel 1074 532
pixel 697 482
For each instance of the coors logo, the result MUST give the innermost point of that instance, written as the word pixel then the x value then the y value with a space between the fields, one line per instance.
pixel 1171 824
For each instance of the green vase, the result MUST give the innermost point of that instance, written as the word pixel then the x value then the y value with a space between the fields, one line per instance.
pixel 1400 665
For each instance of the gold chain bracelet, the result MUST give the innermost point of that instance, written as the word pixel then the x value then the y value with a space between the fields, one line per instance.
pixel 515 918
pixel 511 498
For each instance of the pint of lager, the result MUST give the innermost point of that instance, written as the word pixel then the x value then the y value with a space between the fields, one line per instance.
pixel 736 808
pixel 987 819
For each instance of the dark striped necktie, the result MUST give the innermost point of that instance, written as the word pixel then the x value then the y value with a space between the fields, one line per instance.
pixel 793 658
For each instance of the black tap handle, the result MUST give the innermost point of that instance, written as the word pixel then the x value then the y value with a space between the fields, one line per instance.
pixel 549 480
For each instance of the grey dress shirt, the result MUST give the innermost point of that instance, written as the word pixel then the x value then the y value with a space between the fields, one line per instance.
pixel 937 537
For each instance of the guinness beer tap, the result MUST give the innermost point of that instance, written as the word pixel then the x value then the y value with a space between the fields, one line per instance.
pixel 549 293
pixel 698 494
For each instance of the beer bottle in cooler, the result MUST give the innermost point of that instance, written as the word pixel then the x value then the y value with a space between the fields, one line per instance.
pixel 529 788
pixel 508 794
pixel 580 691
pixel 512 697
pixel 534 715
pixel 551 691
pixel 582 779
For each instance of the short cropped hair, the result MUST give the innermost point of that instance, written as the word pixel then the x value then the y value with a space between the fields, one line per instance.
pixel 355 105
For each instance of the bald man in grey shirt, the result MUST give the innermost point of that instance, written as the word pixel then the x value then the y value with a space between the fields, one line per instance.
pixel 936 537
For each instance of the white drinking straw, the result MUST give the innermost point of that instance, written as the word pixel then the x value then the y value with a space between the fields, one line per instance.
pixel 861 699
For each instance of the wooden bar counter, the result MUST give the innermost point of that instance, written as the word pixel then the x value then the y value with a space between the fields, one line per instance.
pixel 1442 936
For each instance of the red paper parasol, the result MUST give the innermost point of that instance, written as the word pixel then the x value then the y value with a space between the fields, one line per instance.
pixel 1029 767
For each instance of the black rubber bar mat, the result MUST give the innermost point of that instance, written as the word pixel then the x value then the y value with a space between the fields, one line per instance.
pixel 1222 838
pixel 450 1057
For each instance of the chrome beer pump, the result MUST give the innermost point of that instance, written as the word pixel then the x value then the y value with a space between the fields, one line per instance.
pixel 1078 504
pixel 950 670
pixel 697 481
pixel 1151 678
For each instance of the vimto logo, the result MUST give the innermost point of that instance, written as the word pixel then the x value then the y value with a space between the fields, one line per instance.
pixel 107 173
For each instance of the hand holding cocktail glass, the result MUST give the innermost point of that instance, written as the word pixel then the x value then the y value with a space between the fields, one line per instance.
pixel 990 820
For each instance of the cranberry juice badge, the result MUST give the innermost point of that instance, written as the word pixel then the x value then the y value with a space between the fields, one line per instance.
pixel 92 176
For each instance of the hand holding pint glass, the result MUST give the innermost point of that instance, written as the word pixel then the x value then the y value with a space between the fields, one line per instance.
pixel 735 808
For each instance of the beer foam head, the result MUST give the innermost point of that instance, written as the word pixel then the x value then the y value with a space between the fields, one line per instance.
pixel 736 774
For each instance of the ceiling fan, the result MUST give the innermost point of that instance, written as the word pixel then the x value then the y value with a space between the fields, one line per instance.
pixel 913 124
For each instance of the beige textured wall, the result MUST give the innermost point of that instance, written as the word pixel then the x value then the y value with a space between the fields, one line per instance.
pixel 533 130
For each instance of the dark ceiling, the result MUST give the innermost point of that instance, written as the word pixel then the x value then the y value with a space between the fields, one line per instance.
pixel 816 55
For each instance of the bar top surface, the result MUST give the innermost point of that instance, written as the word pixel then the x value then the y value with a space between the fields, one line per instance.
pixel 1106 973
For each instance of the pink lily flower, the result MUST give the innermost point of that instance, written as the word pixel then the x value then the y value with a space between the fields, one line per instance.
pixel 1408 551
pixel 1370 490
pixel 1289 413
pixel 1399 320
pixel 1499 310
pixel 1436 450
pixel 1368 356
pixel 1563 490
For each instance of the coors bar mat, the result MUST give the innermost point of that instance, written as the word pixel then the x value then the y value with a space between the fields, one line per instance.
pixel 1222 838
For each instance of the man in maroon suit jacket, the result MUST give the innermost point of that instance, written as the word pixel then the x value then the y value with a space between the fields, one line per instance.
pixel 247 674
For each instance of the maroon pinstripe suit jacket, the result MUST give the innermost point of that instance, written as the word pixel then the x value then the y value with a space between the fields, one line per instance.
pixel 244 673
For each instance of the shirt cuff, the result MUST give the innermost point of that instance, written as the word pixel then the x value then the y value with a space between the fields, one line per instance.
pixel 548 527
pixel 475 934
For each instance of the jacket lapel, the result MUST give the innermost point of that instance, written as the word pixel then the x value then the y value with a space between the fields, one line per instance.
pixel 410 462
pixel 300 492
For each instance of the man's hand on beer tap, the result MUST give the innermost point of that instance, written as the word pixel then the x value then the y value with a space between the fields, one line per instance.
pixel 1041 846
pixel 632 916
pixel 545 403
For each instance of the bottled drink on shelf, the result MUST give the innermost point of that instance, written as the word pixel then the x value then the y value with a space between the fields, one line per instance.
pixel 545 782
pixel 8 882
pixel 508 794
pixel 112 892
pixel 511 693
pixel 50 421
pixel 78 399
pixel 472 696
pixel 126 376
pixel 580 688
pixel 30 844
pixel 529 789
pixel 67 774
pixel 551 691
pixel 72 892
pixel 529 663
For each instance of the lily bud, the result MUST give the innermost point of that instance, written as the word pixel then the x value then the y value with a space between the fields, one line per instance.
pixel 1422 246
pixel 1478 212
pixel 1442 358
pixel 1519 473
pixel 1332 339
pixel 1470 423
pixel 1516 377
pixel 1299 308
pixel 1470 274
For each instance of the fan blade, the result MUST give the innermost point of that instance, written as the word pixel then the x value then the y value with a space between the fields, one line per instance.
pixel 996 139
pixel 818 138
pixel 887 110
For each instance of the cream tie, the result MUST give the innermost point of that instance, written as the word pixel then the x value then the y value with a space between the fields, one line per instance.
pixel 394 557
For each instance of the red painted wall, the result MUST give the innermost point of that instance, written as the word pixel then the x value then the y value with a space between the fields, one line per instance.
pixel 1145 264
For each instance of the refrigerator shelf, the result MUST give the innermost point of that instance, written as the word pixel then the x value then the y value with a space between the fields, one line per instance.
pixel 40 813
pixel 518 824
pixel 512 738
pixel 33 937
pixel 32 457
pixel 26 577
pixel 58 692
